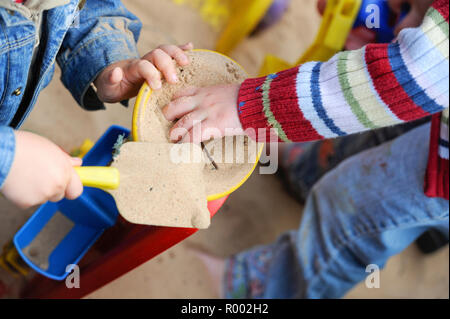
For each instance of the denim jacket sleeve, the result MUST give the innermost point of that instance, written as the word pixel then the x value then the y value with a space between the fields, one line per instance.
pixel 103 33
pixel 7 150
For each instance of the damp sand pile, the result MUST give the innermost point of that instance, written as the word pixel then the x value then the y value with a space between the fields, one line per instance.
pixel 234 157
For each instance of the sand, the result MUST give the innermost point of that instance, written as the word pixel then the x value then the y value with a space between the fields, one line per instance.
pixel 167 23
pixel 156 190
pixel 205 69
pixel 42 246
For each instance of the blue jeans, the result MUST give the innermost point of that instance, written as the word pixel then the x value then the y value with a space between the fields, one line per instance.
pixel 366 209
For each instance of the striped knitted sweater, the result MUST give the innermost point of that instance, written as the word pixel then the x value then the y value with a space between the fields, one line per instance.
pixel 379 85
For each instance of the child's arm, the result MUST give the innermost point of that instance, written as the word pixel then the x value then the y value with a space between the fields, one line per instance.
pixel 7 147
pixel 100 49
pixel 104 32
pixel 33 170
pixel 378 85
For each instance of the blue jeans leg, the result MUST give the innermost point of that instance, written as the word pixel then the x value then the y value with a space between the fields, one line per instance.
pixel 367 209
pixel 303 164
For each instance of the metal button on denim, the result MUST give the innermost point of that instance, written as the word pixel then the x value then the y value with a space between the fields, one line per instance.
pixel 17 91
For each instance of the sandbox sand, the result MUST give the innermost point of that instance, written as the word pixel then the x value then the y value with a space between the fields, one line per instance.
pixel 205 69
pixel 42 246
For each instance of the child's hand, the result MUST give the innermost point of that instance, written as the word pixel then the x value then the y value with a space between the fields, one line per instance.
pixel 415 16
pixel 122 80
pixel 41 172
pixel 212 112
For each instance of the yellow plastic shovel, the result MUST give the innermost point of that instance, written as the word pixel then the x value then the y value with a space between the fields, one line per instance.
pixel 99 177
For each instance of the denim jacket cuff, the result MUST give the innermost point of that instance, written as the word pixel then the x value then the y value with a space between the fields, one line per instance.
pixel 83 67
pixel 7 151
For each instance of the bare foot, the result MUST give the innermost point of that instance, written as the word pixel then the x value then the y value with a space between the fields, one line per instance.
pixel 216 269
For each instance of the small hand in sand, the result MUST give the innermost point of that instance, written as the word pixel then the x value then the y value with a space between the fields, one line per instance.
pixel 122 80
pixel 41 171
pixel 204 113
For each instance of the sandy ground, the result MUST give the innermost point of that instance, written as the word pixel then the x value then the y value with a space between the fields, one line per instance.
pixel 255 214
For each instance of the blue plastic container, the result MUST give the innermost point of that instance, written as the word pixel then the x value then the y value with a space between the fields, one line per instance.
pixel 92 214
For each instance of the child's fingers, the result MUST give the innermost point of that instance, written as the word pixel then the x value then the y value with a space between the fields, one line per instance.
pixel 188 91
pixel 165 65
pixel 210 131
pixel 202 131
pixel 176 53
pixel 115 76
pixel 183 102
pixel 177 134
pixel 186 123
pixel 180 101
pixel 321 5
pixel 57 197
pixel 194 135
pixel 74 188
pixel 180 107
pixel 144 69
pixel 412 20
pixel 188 46
pixel 360 37
pixel 112 77
pixel 76 161
pixel 396 5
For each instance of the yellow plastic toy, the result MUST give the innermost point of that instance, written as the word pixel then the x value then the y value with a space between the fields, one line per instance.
pixel 337 22
pixel 99 177
pixel 11 261
pixel 235 19
pixel 245 16
pixel 83 149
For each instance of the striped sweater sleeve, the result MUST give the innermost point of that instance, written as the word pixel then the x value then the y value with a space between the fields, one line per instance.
pixel 376 86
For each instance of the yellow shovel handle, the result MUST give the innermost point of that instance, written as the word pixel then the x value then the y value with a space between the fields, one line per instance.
pixel 99 177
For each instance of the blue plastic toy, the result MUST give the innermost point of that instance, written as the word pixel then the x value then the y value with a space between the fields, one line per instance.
pixel 387 19
pixel 92 214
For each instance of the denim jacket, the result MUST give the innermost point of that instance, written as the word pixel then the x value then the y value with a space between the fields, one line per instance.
pixel 83 37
